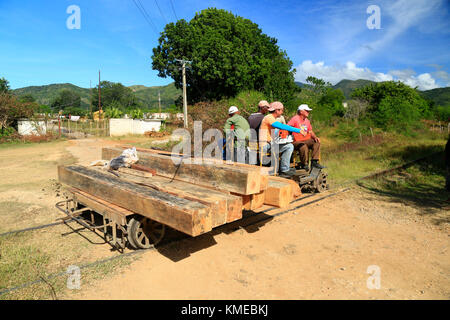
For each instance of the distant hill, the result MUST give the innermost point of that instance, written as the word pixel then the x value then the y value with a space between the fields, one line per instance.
pixel 440 96
pixel 300 84
pixel 148 95
pixel 347 86
pixel 46 94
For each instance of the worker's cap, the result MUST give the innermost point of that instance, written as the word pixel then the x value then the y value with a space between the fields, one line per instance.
pixel 232 110
pixel 275 106
pixel 263 103
pixel 303 107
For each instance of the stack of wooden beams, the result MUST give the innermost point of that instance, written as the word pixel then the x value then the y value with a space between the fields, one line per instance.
pixel 189 195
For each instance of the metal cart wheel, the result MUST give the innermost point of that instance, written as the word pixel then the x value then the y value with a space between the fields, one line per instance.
pixel 144 233
pixel 321 183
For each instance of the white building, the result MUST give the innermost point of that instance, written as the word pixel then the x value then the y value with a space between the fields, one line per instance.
pixel 121 127
pixel 26 127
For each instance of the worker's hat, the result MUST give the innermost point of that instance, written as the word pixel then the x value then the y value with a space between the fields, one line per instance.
pixel 233 109
pixel 275 106
pixel 303 107
pixel 263 103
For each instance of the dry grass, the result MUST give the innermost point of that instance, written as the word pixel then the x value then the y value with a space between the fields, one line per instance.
pixel 28 193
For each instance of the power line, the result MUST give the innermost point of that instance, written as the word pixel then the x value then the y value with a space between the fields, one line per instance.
pixel 145 15
pixel 160 11
pixel 173 9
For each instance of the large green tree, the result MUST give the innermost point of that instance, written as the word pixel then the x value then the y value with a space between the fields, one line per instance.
pixel 66 99
pixel 4 85
pixel 229 54
pixel 114 95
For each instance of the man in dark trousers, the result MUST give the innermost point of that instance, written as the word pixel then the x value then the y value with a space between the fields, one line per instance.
pixel 254 121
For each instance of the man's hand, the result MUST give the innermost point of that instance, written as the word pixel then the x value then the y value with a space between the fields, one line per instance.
pixel 316 139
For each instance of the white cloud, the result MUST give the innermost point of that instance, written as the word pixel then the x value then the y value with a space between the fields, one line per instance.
pixel 403 14
pixel 350 71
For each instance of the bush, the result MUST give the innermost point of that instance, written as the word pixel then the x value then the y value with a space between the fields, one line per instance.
pixel 7 132
pixel 396 114
pixel 11 110
pixel 246 101
pixel 442 113
pixel 137 114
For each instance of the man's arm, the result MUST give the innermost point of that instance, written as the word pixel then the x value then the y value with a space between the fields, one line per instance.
pixel 227 125
pixel 282 126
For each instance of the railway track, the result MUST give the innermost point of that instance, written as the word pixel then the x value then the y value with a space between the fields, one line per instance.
pixel 251 219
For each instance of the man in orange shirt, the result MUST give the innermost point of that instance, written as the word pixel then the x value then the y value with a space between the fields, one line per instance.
pixel 306 139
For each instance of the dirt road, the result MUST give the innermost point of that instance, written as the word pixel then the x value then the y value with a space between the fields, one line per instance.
pixel 321 251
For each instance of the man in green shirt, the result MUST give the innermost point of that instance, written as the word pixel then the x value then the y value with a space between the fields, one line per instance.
pixel 237 127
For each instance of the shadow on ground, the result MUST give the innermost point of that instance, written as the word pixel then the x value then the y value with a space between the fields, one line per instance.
pixel 177 246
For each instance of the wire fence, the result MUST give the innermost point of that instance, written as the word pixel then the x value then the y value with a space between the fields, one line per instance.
pixel 78 129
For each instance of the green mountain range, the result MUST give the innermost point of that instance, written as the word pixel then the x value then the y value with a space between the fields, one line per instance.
pixel 347 86
pixel 440 96
pixel 148 95
pixel 46 94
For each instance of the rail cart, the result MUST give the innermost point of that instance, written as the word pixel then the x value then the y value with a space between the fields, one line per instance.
pixel 118 226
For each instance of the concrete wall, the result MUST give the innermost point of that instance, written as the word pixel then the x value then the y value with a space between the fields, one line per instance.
pixel 120 127
pixel 160 115
pixel 30 127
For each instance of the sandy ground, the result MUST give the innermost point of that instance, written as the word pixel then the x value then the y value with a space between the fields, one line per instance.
pixel 322 251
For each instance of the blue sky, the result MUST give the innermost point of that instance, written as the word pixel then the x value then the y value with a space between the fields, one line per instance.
pixel 323 38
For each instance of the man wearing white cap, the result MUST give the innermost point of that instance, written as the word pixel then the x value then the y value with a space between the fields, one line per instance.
pixel 306 139
pixel 237 127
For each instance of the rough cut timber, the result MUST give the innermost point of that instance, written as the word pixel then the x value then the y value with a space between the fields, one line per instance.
pixel 190 217
pixel 264 171
pixel 252 201
pixel 224 177
pixel 224 207
pixel 296 190
pixel 278 194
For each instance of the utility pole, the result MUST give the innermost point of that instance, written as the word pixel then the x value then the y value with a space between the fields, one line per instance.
pixel 99 96
pixel 90 97
pixel 184 91
pixel 159 101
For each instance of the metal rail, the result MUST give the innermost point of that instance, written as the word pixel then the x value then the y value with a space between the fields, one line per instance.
pixel 55 275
